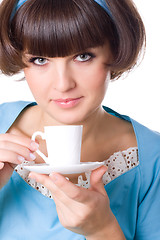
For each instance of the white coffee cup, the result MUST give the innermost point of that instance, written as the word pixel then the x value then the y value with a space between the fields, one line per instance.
pixel 63 144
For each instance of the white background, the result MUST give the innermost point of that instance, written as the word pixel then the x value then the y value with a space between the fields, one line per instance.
pixel 138 95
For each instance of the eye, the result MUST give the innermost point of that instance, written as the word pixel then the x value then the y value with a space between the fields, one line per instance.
pixel 84 57
pixel 39 61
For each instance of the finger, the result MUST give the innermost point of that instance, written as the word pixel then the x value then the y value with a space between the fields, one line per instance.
pixel 96 179
pixel 71 190
pixel 46 181
pixel 17 149
pixel 59 186
pixel 10 157
pixel 20 140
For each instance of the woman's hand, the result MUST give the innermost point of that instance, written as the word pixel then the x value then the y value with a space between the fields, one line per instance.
pixel 14 150
pixel 83 211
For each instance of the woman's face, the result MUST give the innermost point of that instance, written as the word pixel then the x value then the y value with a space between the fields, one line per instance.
pixel 70 89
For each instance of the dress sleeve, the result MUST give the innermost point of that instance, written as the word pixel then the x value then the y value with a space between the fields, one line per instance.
pixel 9 111
pixel 148 219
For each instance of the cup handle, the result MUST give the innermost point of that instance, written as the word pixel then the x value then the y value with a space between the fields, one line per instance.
pixel 38 151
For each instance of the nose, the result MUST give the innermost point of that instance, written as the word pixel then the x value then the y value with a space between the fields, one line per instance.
pixel 63 79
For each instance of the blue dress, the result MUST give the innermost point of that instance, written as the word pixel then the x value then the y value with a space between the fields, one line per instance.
pixel 134 196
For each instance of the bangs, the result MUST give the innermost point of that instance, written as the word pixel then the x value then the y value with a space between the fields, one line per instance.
pixel 59 28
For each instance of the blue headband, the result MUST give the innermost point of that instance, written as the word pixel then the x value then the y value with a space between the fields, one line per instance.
pixel 102 3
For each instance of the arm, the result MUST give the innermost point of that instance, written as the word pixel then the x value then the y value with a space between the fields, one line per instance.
pixel 83 211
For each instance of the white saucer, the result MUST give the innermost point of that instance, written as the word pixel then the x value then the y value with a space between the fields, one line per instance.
pixel 71 169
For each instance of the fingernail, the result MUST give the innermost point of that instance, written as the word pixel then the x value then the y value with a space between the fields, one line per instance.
pixel 1 165
pixel 34 146
pixel 32 156
pixel 21 159
pixel 31 176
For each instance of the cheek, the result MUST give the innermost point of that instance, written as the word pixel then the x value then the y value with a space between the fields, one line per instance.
pixel 30 78
pixel 98 80
pixel 35 83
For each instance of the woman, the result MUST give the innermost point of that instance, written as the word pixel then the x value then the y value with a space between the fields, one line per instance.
pixel 69 50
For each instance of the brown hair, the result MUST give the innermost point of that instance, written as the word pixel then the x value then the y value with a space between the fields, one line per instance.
pixel 58 28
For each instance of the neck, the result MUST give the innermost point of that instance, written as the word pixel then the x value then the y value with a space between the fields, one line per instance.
pixel 93 124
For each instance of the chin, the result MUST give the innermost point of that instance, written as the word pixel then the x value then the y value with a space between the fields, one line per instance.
pixel 74 116
pixel 69 119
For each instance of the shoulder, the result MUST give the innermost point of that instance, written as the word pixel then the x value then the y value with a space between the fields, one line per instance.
pixel 120 131
pixel 9 111
pixel 148 143
pixel 148 140
pixel 18 105
pixel 149 158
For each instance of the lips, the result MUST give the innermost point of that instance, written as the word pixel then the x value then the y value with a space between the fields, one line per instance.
pixel 67 102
